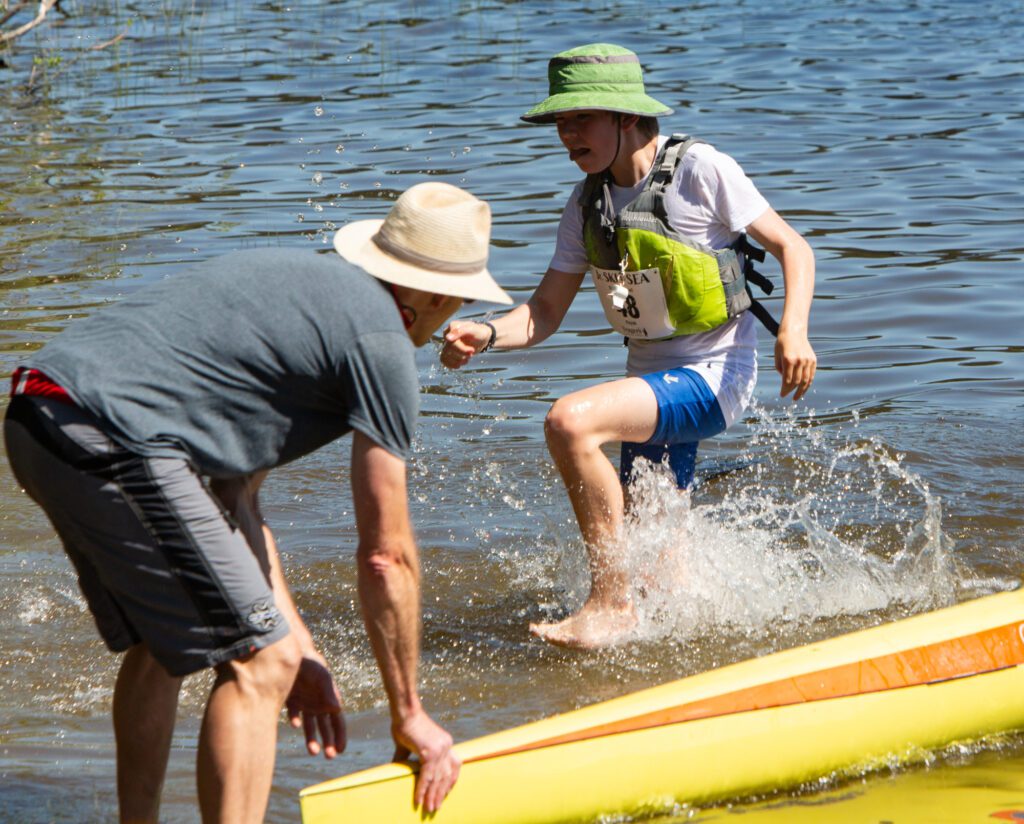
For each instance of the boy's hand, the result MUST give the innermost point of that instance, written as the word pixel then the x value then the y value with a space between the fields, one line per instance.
pixel 796 362
pixel 462 340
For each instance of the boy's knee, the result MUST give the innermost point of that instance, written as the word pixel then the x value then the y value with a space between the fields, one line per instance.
pixel 564 423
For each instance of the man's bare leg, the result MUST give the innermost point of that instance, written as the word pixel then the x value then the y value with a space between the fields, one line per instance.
pixel 576 428
pixel 145 705
pixel 235 766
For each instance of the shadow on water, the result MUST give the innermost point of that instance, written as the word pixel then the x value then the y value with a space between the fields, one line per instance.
pixel 889 136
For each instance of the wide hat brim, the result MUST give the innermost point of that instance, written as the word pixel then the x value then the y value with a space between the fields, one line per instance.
pixel 613 101
pixel 354 242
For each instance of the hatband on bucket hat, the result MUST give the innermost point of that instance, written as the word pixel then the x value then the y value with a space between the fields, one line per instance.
pixel 435 239
pixel 596 76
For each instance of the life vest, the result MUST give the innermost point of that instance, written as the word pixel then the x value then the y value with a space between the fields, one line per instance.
pixel 653 282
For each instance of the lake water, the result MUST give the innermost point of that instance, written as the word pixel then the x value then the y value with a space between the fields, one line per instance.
pixel 889 135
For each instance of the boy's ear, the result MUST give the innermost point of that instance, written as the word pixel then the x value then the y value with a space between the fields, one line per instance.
pixel 628 121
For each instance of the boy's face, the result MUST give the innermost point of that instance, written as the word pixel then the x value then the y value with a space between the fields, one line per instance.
pixel 591 136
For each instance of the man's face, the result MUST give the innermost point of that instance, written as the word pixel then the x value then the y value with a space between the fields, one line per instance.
pixel 431 316
pixel 591 136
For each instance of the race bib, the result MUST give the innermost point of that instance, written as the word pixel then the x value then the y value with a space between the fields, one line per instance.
pixel 634 302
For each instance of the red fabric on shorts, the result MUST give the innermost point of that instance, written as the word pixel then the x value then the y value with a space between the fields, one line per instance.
pixel 27 381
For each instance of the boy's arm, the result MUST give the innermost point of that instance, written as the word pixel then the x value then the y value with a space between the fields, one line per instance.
pixel 526 325
pixel 794 357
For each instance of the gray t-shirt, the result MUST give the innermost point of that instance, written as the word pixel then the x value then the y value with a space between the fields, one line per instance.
pixel 245 362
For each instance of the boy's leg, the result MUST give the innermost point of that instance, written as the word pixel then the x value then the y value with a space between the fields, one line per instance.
pixel 239 733
pixel 576 428
pixel 145 705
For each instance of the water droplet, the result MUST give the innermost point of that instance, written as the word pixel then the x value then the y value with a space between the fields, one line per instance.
pixel 124 246
pixel 467 149
pixel 300 218
pixel 318 111
pixel 376 185
pixel 339 148
pixel 318 178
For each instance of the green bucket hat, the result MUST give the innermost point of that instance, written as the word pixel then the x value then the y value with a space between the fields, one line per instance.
pixel 598 76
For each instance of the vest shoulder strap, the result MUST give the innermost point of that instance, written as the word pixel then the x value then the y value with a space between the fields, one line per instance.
pixel 665 166
pixel 671 153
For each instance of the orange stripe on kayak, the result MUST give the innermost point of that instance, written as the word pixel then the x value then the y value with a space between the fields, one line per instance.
pixel 986 651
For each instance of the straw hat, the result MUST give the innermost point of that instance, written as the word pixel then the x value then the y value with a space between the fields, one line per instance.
pixel 597 76
pixel 435 239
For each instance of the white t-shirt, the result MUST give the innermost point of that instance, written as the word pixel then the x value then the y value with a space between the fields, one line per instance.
pixel 712 202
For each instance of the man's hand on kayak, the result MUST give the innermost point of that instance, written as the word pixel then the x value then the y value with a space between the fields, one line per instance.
pixel 439 763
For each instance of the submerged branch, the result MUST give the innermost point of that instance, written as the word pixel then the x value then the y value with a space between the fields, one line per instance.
pixel 40 69
pixel 44 8
pixel 11 12
pixel 109 42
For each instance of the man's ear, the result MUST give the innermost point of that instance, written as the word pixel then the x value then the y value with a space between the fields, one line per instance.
pixel 437 300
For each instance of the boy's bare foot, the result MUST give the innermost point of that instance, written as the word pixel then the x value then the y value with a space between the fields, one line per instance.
pixel 590 628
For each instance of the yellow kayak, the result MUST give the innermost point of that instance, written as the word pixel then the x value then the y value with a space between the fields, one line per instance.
pixel 892 691
pixel 970 794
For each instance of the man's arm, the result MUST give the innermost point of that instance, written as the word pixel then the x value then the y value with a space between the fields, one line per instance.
pixel 794 357
pixel 314 702
pixel 389 593
pixel 526 325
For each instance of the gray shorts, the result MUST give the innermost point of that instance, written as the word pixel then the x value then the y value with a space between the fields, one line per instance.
pixel 159 560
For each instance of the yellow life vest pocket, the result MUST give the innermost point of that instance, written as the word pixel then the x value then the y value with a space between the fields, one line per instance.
pixel 690 279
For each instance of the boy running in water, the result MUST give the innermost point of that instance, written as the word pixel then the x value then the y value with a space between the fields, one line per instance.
pixel 692 362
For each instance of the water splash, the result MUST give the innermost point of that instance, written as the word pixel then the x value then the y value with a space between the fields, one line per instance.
pixel 810 527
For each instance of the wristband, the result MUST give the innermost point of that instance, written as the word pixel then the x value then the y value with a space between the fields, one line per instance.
pixel 491 339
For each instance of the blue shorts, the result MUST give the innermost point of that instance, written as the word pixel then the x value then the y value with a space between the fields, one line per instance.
pixel 687 412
